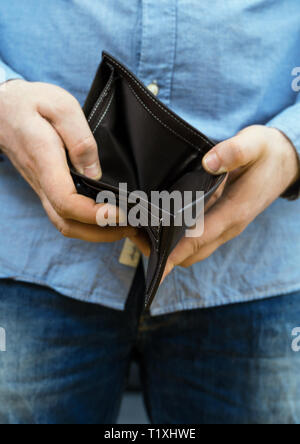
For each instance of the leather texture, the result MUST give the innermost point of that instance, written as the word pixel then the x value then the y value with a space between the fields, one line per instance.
pixel 144 144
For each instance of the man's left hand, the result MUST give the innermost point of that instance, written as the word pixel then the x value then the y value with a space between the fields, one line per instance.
pixel 262 164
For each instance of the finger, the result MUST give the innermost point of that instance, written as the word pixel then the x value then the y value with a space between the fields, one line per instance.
pixel 189 251
pixel 225 220
pixel 189 247
pixel 182 251
pixel 217 195
pixel 89 233
pixel 67 117
pixel 231 154
pixel 184 260
pixel 54 175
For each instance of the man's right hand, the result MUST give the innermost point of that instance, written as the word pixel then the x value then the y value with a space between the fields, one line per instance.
pixel 38 122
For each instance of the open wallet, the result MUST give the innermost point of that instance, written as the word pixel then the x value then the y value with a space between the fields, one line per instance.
pixel 146 146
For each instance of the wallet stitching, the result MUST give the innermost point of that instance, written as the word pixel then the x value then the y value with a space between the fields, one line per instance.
pixel 104 114
pixel 159 266
pixel 162 123
pixel 159 105
pixel 102 97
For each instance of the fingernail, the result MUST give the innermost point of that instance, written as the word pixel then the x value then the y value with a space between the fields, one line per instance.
pixel 93 171
pixel 212 162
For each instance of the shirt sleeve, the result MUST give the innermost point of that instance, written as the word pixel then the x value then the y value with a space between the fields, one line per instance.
pixel 288 121
pixel 7 73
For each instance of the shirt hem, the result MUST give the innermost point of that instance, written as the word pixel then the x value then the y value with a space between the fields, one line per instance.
pixel 106 301
pixel 249 297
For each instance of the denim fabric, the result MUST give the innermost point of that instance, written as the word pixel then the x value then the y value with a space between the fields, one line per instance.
pixel 67 361
pixel 222 66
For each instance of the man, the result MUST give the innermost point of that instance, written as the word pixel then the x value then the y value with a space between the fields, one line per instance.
pixel 216 347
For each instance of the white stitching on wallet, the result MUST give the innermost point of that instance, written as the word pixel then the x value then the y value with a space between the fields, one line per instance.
pixel 104 114
pixel 161 122
pixel 156 102
pixel 102 96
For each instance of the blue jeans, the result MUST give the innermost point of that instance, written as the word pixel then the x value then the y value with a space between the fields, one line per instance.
pixel 66 361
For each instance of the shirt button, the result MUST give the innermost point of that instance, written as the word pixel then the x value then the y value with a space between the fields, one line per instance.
pixel 153 87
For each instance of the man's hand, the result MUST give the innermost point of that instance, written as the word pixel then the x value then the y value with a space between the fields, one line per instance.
pixel 262 163
pixel 38 122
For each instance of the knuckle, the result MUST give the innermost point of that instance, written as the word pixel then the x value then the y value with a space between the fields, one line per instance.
pixel 61 105
pixel 64 229
pixel 60 208
pixel 240 228
pixel 28 164
pixel 197 244
pixel 243 222
pixel 238 152
pixel 224 225
pixel 64 102
pixel 233 232
pixel 84 147
pixel 72 100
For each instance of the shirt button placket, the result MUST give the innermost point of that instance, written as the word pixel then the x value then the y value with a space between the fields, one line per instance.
pixel 159 23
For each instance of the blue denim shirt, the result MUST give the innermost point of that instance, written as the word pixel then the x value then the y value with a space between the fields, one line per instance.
pixel 222 66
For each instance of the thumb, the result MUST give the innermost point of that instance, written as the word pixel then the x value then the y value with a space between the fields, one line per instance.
pixel 85 158
pixel 231 154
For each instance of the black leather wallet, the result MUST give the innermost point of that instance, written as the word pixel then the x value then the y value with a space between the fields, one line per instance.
pixel 144 144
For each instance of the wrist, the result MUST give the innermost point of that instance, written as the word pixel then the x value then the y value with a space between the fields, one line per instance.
pixel 290 165
pixel 293 159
